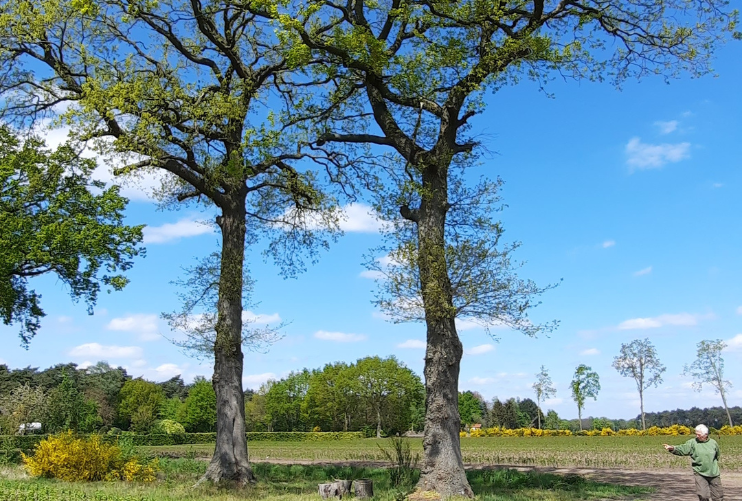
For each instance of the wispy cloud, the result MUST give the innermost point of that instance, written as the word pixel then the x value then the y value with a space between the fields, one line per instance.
pixel 340 337
pixel 481 380
pixel 481 349
pixel 372 274
pixel 260 318
pixel 653 156
pixel 142 324
pixel 717 185
pixel 162 372
pixel 102 352
pixel 608 243
pixel 643 271
pixel 667 127
pixel 170 232
pixel 413 343
pixel 255 380
pixel 739 310
pixel 734 344
pixel 590 351
pixel 679 319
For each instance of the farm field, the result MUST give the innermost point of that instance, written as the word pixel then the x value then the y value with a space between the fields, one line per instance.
pixel 560 452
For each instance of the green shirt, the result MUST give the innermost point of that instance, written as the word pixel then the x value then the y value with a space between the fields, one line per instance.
pixel 705 456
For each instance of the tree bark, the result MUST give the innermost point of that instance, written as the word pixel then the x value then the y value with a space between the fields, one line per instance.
pixel 641 404
pixel 230 460
pixel 724 399
pixel 579 416
pixel 538 411
pixel 378 422
pixel 442 467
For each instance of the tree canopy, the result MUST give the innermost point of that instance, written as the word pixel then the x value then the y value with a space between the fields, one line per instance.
pixel 708 368
pixel 57 220
pixel 639 361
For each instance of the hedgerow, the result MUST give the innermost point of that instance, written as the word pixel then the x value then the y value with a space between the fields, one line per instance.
pixel 29 442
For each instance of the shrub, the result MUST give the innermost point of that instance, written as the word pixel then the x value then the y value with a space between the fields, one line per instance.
pixel 67 457
pixel 167 427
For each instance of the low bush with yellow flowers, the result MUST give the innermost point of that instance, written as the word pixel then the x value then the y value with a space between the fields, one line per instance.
pixel 71 458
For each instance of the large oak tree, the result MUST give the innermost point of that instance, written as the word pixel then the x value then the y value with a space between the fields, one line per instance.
pixel 411 74
pixel 182 87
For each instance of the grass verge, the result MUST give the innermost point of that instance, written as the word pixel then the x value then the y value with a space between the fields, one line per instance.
pixel 299 483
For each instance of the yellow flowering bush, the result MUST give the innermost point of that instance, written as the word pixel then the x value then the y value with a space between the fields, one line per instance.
pixel 67 457
pixel 674 430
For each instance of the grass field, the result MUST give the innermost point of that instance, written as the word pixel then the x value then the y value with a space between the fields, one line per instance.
pixel 299 483
pixel 589 452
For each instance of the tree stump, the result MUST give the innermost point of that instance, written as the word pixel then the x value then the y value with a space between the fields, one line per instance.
pixel 343 487
pixel 363 488
pixel 329 490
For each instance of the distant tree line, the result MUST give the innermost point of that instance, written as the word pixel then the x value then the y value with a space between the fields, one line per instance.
pixel 376 395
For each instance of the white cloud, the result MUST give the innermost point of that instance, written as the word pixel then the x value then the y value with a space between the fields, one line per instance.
pixel 168 232
pixel 138 187
pixel 139 363
pixel 651 156
pixel 413 343
pixel 739 310
pixel 667 127
pixel 85 365
pixel 481 380
pixel 352 218
pixel 590 351
pixel 680 319
pixel 166 371
pixel 255 380
pixel 340 337
pixel 101 352
pixel 481 349
pixel 608 243
pixel 643 271
pixel 142 324
pixel 359 218
pixel 734 344
pixel 260 318
pixel 160 373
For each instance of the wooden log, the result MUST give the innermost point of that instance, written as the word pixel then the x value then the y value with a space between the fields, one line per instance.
pixel 363 488
pixel 329 490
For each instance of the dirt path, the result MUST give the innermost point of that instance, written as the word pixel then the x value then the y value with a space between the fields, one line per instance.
pixel 669 485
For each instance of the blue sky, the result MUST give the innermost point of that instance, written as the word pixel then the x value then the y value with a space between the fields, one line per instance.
pixel 632 197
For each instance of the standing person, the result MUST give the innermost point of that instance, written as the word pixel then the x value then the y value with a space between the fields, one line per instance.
pixel 704 452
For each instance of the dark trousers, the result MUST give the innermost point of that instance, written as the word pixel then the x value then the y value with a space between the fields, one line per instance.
pixel 709 488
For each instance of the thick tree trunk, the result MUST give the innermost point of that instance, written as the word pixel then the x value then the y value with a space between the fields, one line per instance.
pixel 230 460
pixel 442 467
